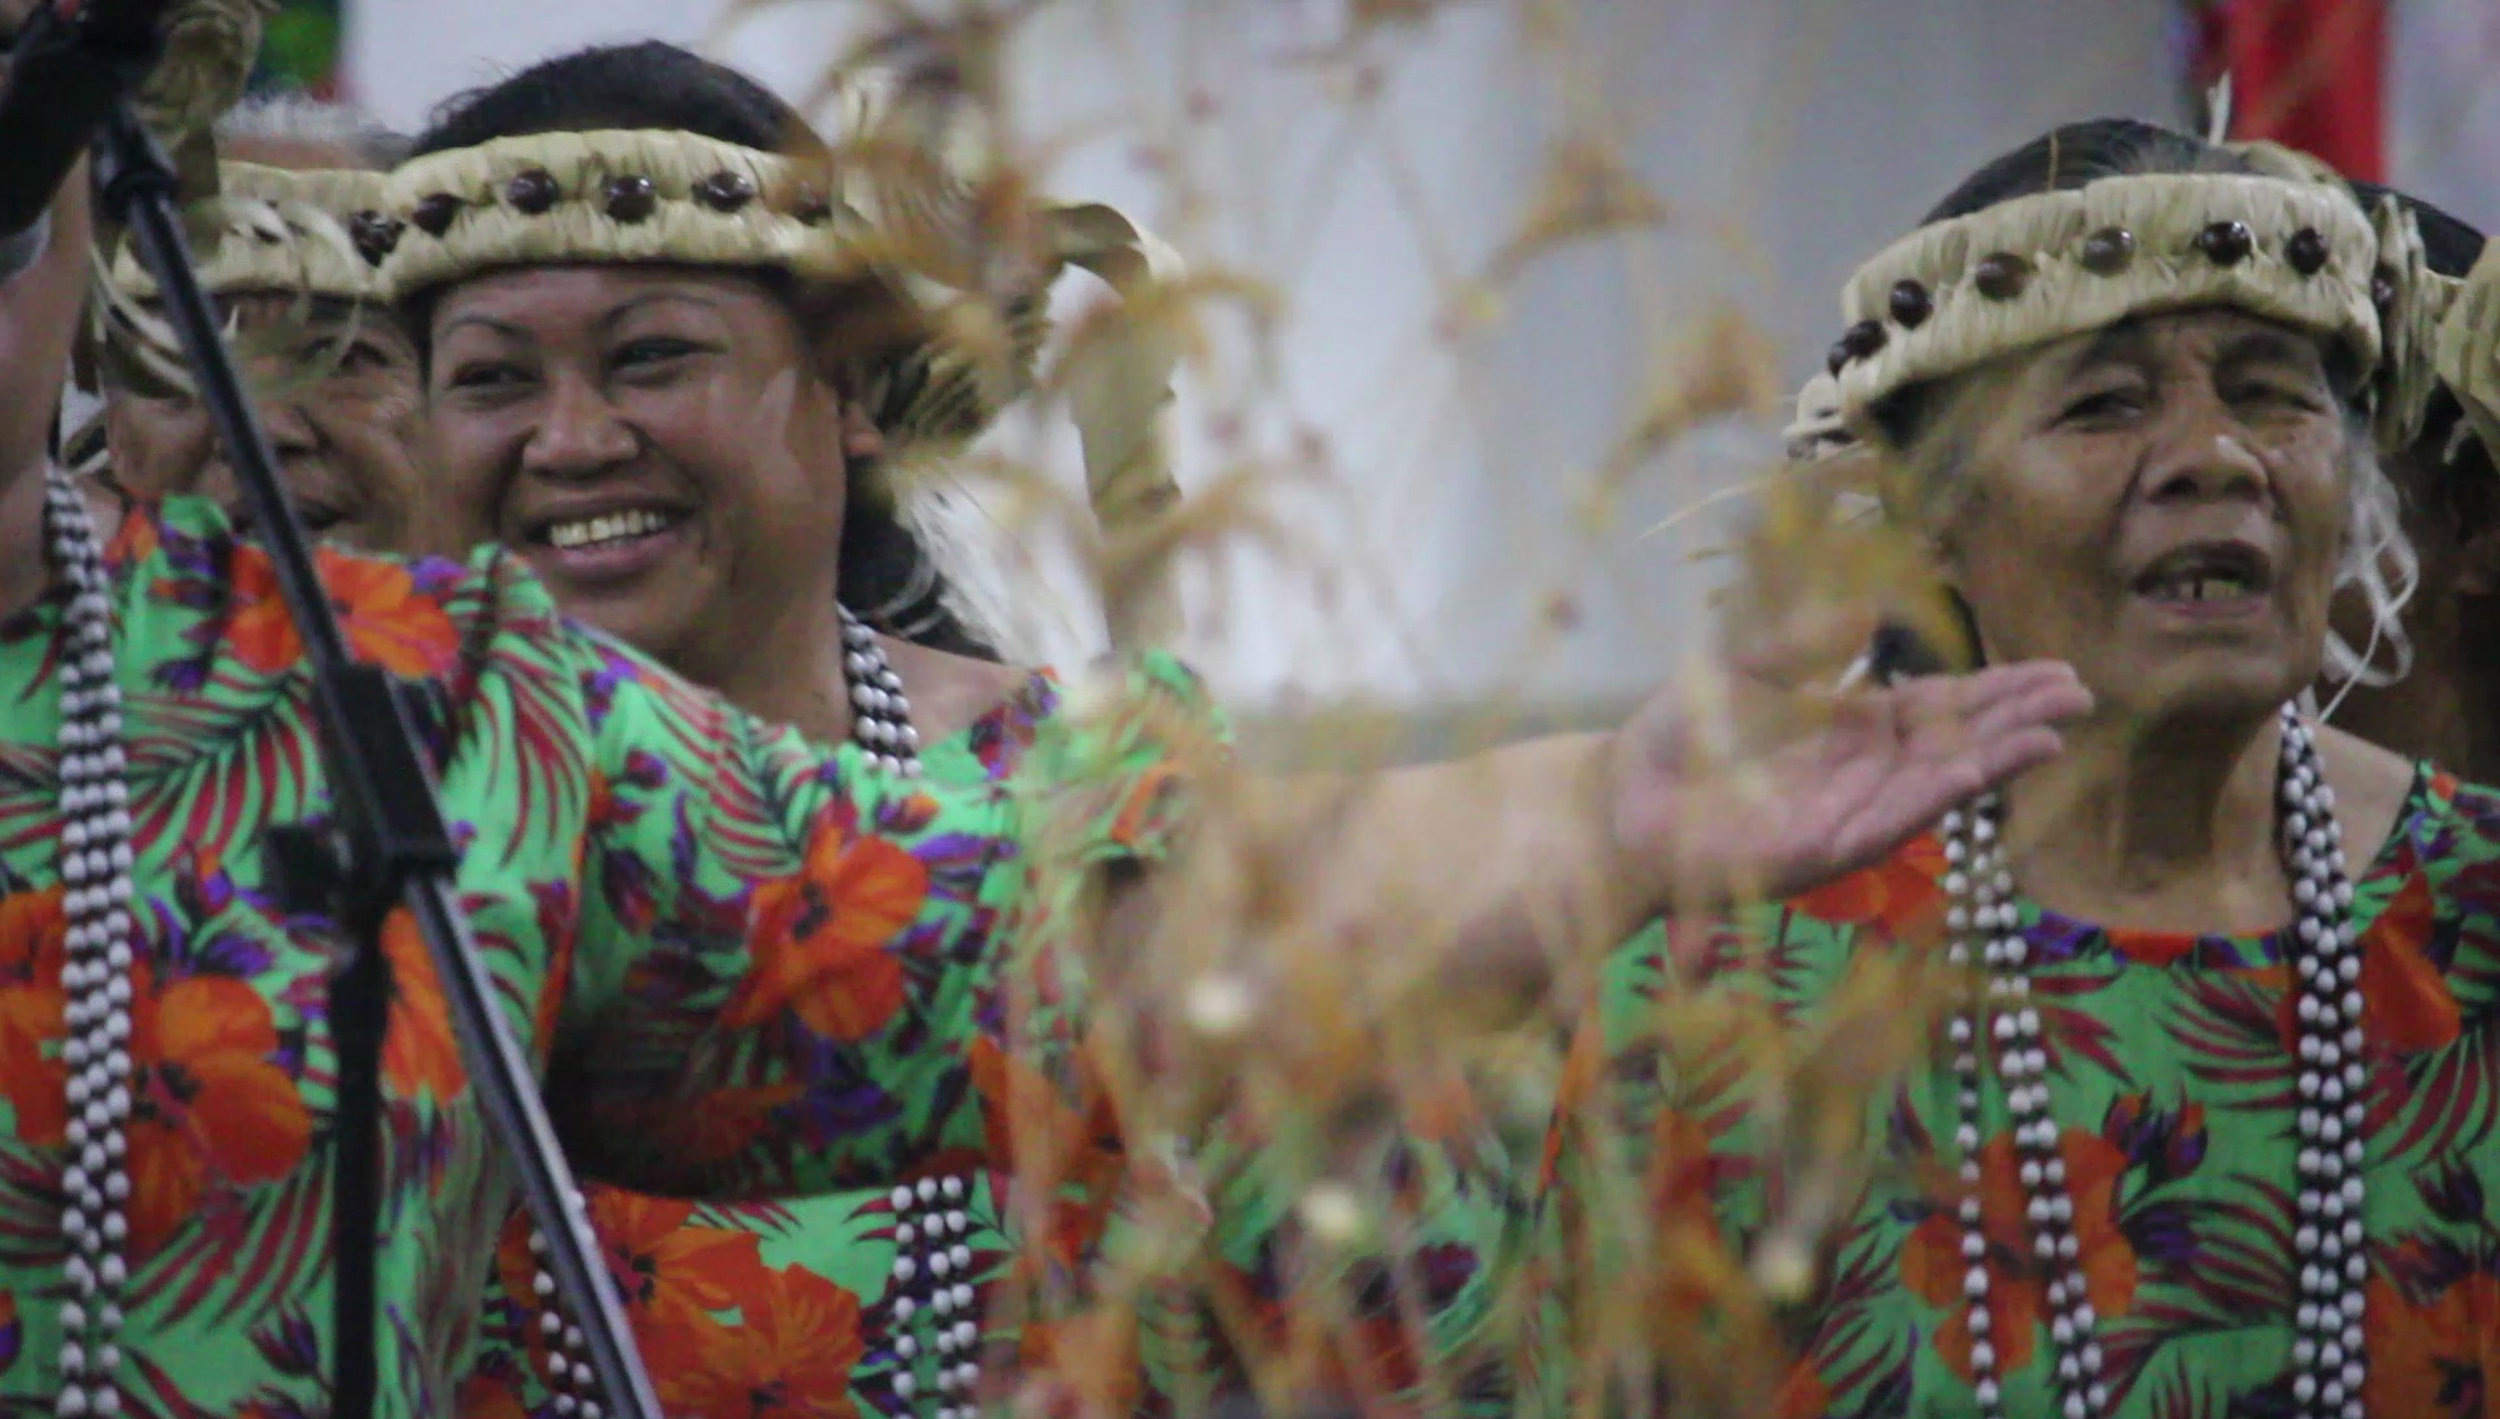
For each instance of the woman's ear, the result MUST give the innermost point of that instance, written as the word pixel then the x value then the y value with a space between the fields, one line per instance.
pixel 862 440
pixel 2478 564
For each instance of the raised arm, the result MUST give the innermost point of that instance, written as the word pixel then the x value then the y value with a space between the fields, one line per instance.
pixel 38 318
pixel 1484 883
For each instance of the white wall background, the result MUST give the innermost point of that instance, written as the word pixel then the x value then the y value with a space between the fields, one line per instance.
pixel 1787 137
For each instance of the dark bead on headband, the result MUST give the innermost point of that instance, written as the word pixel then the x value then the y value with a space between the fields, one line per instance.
pixel 2001 276
pixel 1863 339
pixel 2108 251
pixel 1911 305
pixel 532 192
pixel 433 213
pixel 725 191
pixel 2226 243
pixel 376 235
pixel 813 207
pixel 2306 251
pixel 631 197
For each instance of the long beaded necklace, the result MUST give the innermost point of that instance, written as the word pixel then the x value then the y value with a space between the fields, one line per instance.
pixel 96 863
pixel 931 1300
pixel 96 964
pixel 2327 1353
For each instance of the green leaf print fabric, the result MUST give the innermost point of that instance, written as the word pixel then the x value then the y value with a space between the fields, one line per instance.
pixel 2171 1073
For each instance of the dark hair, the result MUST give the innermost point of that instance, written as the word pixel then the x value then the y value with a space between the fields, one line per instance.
pixel 887 578
pixel 2078 154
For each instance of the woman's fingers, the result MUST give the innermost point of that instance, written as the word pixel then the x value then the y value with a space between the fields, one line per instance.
pixel 1993 702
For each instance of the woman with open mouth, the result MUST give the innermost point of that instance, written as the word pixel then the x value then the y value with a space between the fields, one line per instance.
pixel 2204 1129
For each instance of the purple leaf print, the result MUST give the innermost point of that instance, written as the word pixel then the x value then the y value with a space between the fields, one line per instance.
pixel 181 677
pixel 599 686
pixel 2056 940
pixel 1446 1269
pixel 2454 1192
pixel 645 770
pixel 2161 1232
pixel 232 953
pixel 841 1098
pixel 2166 1145
pixel 684 849
pixel 625 879
pixel 292 1346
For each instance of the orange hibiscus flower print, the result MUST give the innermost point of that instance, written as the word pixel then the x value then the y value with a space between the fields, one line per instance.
pixel 484 1396
pixel 211 1108
pixel 1803 1394
pixel 420 1053
pixel 1932 1266
pixel 1142 811
pixel 1071 1154
pixel 2406 1005
pixel 2436 1356
pixel 33 934
pixel 386 620
pixel 791 1355
pixel 822 936
pixel 1898 896
pixel 669 1272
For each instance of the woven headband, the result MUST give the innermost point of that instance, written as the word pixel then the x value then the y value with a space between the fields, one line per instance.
pixel 1956 294
pixel 275 230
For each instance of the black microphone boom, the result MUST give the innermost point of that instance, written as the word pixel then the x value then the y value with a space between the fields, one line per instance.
pixel 65 75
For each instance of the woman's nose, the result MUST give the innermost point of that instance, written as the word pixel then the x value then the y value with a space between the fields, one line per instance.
pixel 2206 454
pixel 580 437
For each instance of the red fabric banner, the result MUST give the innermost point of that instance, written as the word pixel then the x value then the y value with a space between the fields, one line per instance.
pixel 2309 74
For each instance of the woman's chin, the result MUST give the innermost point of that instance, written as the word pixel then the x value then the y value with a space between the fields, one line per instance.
pixel 2211 694
pixel 650 619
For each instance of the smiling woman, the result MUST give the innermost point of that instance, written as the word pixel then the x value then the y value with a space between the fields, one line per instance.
pixel 653 440
pixel 653 371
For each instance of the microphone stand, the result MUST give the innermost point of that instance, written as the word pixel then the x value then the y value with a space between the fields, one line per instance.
pixel 384 846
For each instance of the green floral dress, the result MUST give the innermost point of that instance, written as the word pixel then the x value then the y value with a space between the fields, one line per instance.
pixel 748 969
pixel 2171 1072
pixel 729 1300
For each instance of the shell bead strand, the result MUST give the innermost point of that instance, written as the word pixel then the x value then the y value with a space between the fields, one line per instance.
pixel 881 727
pixel 2329 1364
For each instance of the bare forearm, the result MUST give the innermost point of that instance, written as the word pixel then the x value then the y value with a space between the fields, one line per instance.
pixel 38 317
pixel 1480 879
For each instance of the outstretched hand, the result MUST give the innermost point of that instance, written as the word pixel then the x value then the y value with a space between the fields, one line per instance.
pixel 1775 791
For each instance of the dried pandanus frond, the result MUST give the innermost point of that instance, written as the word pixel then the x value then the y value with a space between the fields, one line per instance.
pixel 1258 995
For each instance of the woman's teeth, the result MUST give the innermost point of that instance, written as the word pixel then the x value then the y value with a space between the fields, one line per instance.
pixel 605 528
pixel 2202 588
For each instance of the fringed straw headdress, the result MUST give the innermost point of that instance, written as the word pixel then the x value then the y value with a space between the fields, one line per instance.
pixel 279 230
pixel 898 218
pixel 259 231
pixel 2469 348
pixel 1955 294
